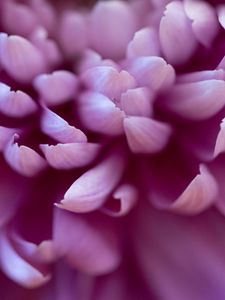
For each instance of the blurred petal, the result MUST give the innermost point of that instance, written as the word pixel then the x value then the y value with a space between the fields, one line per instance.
pixel 221 15
pixel 201 76
pixel 220 141
pixel 5 136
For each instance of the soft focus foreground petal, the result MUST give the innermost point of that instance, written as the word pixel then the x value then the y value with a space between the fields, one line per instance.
pixel 152 71
pixel 145 135
pixel 23 159
pixel 57 128
pixel 18 269
pixel 15 104
pixel 5 136
pixel 201 76
pixel 99 114
pixel 137 102
pixel 72 33
pixel 197 100
pixel 57 87
pixel 112 25
pixel 176 37
pixel 191 247
pixel 220 141
pixel 204 20
pixel 90 246
pixel 20 59
pixel 108 81
pixel 221 15
pixel 91 190
pixel 145 43
pixel 123 200
pixel 68 156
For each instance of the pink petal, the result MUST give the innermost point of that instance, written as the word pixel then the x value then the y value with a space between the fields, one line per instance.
pixel 137 102
pixel 99 114
pixel 57 128
pixel 201 76
pixel 112 25
pixel 197 100
pixel 19 58
pixel 5 136
pixel 45 250
pixel 220 141
pixel 73 36
pixel 204 21
pixel 89 247
pixel 124 199
pixel 221 15
pixel 152 71
pixel 91 190
pixel 68 156
pixel 23 159
pixel 145 43
pixel 18 269
pixel 56 88
pixel 145 135
pixel 108 81
pixel 176 37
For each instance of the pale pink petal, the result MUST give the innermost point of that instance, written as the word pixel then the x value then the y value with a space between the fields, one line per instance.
pixel 91 190
pixel 90 247
pixel 176 37
pixel 68 156
pixel 57 87
pixel 108 81
pixel 19 58
pixel 123 200
pixel 72 33
pixel 23 159
pixel 201 76
pixel 6 135
pixel 112 25
pixel 46 251
pixel 221 15
pixel 197 100
pixel 145 135
pixel 137 102
pixel 152 71
pixel 204 21
pixel 145 43
pixel 57 128
pixel 18 269
pixel 99 114
pixel 220 141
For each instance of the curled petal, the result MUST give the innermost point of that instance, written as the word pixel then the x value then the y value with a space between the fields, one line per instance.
pixel 57 128
pixel 137 102
pixel 108 81
pixel 90 247
pixel 220 141
pixel 68 156
pixel 145 135
pixel 112 25
pixel 197 100
pixel 98 113
pixel 204 21
pixel 152 71
pixel 23 159
pixel 56 88
pixel 198 196
pixel 221 15
pixel 175 33
pixel 91 190
pixel 145 43
pixel 20 59
pixel 5 136
pixel 17 268
pixel 201 76
pixel 45 250
pixel 124 199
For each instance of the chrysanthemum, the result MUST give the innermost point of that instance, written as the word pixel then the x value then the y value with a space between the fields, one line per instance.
pixel 112 140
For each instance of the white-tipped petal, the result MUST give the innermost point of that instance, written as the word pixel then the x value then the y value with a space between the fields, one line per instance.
pixel 201 76
pixel 68 156
pixel 145 135
pixel 91 190
pixel 220 141
pixel 221 15
pixel 57 128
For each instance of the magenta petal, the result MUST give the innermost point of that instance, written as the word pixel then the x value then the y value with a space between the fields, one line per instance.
pixel 57 128
pixel 5 136
pixel 89 246
pixel 145 135
pixel 176 37
pixel 220 141
pixel 99 114
pixel 56 88
pixel 108 81
pixel 68 156
pixel 197 100
pixel 19 58
pixel 91 190
pixel 23 159
pixel 221 15
pixel 18 269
